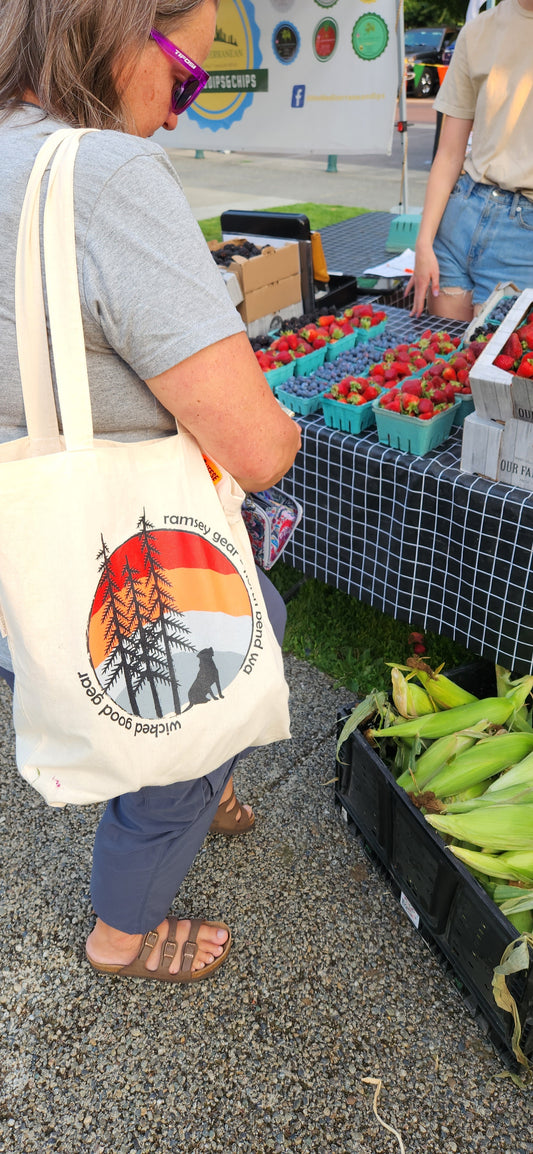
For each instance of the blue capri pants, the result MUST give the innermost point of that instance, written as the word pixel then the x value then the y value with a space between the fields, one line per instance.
pixel 485 236
pixel 146 841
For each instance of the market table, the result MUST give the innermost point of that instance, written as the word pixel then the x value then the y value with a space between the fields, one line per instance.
pixel 416 537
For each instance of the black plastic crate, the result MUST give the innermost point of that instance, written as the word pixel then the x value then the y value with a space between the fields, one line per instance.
pixel 445 903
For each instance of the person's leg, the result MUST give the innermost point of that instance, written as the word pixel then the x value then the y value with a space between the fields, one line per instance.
pixel 233 814
pixel 453 303
pixel 144 847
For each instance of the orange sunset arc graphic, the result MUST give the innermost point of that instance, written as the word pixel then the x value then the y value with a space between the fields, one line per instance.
pixel 171 621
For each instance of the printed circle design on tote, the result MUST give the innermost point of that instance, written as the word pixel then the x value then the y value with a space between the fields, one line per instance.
pixel 286 42
pixel 325 3
pixel 325 38
pixel 171 622
pixel 370 37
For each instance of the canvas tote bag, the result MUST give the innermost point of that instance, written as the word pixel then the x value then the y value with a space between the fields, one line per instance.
pixel 141 646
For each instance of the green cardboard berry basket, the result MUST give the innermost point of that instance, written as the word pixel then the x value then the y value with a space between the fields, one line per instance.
pixel 343 345
pixel 464 406
pixel 364 335
pixel 348 418
pixel 410 434
pixel 311 361
pixel 277 376
pixel 302 405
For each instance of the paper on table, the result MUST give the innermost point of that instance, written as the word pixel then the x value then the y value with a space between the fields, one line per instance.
pixel 401 265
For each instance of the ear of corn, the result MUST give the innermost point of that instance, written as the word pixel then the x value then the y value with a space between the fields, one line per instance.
pixel 506 892
pixel 488 757
pixel 511 827
pixel 517 795
pixel 438 754
pixel 493 710
pixel 520 774
pixel 410 699
pixel 512 866
pixel 520 919
pixel 445 693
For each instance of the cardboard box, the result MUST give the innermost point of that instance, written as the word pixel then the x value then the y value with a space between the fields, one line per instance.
pixel 498 452
pixel 273 264
pixel 498 395
pixel 264 325
pixel 269 299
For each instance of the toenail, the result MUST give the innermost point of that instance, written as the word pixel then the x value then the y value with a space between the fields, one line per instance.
pixel 221 935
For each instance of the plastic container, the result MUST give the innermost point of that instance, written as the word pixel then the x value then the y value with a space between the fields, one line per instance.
pixel 403 232
pixel 278 376
pixel 343 345
pixel 443 900
pixel 302 405
pixel 348 418
pixel 311 361
pixel 410 434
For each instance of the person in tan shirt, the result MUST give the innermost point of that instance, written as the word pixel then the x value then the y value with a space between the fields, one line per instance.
pixel 477 223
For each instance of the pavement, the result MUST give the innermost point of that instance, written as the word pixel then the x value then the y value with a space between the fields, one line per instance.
pixel 327 992
pixel 217 181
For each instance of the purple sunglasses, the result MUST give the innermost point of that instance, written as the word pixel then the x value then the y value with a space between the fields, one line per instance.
pixel 184 91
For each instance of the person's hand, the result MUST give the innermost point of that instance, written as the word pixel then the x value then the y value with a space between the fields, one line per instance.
pixel 424 279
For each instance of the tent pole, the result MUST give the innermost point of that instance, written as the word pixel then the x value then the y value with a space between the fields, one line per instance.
pixel 402 105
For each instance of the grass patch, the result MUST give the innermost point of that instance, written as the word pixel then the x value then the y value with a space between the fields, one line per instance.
pixel 349 640
pixel 320 215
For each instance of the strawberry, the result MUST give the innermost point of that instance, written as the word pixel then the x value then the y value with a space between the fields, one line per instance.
pixel 525 333
pixel 525 368
pixel 504 362
pixel 425 406
pixel 513 347
pixel 325 322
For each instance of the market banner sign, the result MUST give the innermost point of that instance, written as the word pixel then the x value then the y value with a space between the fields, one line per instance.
pixel 297 76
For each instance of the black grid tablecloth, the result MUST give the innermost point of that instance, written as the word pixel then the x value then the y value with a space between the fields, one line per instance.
pixel 416 537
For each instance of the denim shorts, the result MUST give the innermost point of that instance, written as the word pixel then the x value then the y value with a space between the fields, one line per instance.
pixel 485 236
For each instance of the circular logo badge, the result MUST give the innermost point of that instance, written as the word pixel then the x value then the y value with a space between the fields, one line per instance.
pixel 286 42
pixel 370 37
pixel 234 63
pixel 325 3
pixel 325 39
pixel 171 622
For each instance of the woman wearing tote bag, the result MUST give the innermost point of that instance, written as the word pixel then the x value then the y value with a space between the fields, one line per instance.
pixel 163 344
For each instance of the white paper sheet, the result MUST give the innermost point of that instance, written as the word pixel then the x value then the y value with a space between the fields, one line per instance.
pixel 401 265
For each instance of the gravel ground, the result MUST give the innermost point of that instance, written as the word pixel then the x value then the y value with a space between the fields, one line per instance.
pixel 327 984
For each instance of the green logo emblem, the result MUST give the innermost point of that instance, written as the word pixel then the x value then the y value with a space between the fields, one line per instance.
pixel 370 37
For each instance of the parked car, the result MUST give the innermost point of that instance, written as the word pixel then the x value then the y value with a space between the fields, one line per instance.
pixel 426 46
pixel 447 53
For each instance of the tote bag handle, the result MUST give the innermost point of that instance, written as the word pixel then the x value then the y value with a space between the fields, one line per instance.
pixel 61 277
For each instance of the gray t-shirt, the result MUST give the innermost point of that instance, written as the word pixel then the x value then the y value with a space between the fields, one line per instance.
pixel 151 294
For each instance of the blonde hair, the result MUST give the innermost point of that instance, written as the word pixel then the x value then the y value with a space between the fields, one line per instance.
pixel 67 51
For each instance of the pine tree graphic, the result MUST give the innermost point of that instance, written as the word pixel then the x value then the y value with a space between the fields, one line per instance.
pixel 143 651
pixel 142 623
pixel 165 616
pixel 116 630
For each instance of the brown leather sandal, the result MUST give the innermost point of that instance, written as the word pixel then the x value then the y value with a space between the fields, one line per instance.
pixel 225 820
pixel 137 968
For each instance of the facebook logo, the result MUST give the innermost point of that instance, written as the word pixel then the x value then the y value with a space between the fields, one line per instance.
pixel 298 96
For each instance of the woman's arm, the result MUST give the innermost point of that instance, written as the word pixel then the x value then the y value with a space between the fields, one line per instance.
pixel 222 398
pixel 444 172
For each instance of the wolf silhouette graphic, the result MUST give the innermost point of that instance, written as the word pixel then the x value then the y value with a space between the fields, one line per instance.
pixel 201 689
